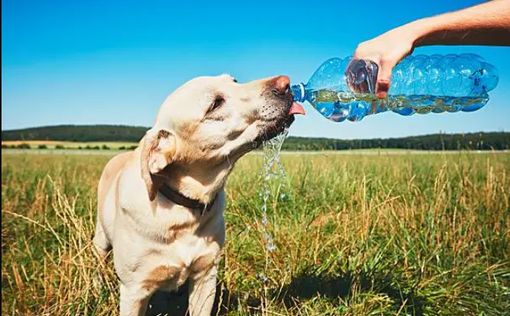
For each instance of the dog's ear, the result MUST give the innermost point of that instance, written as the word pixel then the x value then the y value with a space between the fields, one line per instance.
pixel 158 150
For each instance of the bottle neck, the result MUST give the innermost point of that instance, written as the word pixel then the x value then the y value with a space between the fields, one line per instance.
pixel 298 92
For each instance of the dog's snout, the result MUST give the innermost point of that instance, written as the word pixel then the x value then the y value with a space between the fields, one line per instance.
pixel 281 85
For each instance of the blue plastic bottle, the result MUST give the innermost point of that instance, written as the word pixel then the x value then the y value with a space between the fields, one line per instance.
pixel 340 89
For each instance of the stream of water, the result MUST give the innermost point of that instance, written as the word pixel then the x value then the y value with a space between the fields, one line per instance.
pixel 274 177
pixel 274 189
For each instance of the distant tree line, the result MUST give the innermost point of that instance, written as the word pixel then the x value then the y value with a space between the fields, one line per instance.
pixel 121 133
pixel 468 141
pixel 78 133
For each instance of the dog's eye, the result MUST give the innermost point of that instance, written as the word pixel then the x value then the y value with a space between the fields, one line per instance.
pixel 234 80
pixel 218 101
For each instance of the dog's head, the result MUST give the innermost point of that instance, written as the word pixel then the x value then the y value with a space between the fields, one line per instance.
pixel 210 122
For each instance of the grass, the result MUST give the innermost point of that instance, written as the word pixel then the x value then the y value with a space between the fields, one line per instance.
pixel 357 234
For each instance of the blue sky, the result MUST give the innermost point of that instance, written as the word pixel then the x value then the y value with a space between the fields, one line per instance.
pixel 114 62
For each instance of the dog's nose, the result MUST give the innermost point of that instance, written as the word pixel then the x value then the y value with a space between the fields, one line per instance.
pixel 281 85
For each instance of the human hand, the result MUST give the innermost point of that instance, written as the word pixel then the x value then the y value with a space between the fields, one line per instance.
pixel 386 51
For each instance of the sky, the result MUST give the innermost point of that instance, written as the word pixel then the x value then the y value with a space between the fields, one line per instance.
pixel 114 62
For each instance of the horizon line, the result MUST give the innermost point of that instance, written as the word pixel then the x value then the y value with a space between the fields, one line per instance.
pixel 314 137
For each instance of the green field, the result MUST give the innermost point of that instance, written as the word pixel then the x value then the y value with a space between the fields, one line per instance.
pixel 358 234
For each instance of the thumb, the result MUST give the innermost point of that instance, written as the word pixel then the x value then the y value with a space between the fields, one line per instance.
pixel 383 78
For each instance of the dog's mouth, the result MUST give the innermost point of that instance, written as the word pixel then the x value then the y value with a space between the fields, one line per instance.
pixel 278 112
pixel 283 121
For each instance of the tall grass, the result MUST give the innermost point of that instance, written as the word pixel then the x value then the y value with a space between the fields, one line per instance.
pixel 356 235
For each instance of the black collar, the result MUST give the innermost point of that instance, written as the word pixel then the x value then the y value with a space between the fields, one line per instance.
pixel 182 200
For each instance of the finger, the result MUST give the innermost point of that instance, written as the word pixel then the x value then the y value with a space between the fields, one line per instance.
pixel 384 78
pixel 382 88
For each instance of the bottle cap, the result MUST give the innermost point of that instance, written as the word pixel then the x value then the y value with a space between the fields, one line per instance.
pixel 362 76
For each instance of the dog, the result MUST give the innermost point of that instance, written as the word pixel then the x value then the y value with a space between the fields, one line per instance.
pixel 160 207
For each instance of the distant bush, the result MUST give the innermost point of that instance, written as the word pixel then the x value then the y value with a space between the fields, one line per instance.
pixel 42 146
pixel 59 147
pixel 105 147
pixel 23 146
pixel 79 147
pixel 133 147
pixel 4 146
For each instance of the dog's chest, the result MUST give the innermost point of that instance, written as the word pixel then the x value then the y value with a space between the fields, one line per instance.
pixel 168 244
pixel 171 266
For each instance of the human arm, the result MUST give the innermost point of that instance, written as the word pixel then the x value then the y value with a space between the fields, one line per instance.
pixel 483 24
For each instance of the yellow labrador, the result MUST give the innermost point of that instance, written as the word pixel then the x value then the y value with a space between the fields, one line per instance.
pixel 160 207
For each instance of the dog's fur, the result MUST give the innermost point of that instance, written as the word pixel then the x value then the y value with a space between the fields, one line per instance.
pixel 201 130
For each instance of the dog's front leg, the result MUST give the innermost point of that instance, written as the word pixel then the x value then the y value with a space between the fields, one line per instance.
pixel 133 300
pixel 202 290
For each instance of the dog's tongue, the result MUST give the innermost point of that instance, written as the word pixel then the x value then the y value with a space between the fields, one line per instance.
pixel 296 108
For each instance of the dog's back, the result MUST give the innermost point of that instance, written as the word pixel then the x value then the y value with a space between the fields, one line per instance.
pixel 105 188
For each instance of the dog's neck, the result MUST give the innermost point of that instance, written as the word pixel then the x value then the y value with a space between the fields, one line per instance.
pixel 198 181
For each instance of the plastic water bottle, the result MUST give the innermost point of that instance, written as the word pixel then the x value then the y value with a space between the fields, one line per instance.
pixel 343 89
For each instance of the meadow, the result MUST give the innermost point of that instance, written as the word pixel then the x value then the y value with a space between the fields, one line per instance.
pixel 356 234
